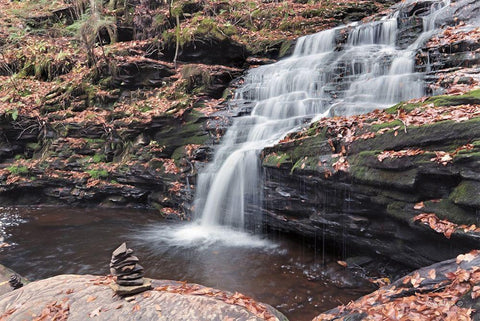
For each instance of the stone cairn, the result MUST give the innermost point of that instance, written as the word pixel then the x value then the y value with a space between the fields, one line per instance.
pixel 124 265
pixel 15 281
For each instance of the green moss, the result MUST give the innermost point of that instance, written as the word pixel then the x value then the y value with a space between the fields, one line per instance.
pixel 397 210
pixel 381 177
pixel 392 124
pixel 277 160
pixel 472 97
pixel 407 107
pixel 34 146
pixel 466 194
pixel 98 158
pixel 17 170
pixel 447 210
pixel 98 173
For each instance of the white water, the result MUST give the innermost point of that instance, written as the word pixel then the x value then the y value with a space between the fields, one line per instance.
pixel 318 80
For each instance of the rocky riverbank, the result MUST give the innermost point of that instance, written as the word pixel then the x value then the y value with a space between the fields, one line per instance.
pixel 448 290
pixel 80 297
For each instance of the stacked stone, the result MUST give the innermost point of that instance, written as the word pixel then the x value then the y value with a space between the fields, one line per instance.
pixel 125 266
pixel 15 281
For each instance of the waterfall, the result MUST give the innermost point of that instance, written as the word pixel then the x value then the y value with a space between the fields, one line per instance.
pixel 325 76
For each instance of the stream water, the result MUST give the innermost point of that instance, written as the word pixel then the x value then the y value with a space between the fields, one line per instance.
pixel 284 273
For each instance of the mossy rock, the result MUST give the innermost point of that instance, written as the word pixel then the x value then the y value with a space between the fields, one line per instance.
pixel 467 193
pixel 435 136
pixel 472 98
pixel 379 177
pixel 446 210
pixel 281 160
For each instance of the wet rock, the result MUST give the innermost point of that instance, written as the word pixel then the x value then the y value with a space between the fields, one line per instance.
pixel 447 289
pixel 372 206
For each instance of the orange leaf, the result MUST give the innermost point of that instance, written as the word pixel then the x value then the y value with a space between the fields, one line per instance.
pixel 419 206
pixel 342 263
pixel 91 298
pixel 136 307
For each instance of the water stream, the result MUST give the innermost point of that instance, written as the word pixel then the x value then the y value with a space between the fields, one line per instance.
pixel 325 76
pixel 282 272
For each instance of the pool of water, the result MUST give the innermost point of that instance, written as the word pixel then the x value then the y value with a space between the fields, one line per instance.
pixel 287 274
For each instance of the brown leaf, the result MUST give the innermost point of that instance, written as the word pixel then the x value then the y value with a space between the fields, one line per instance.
pixel 416 280
pixel 91 298
pixel 136 307
pixel 419 206
pixel 465 257
pixel 342 263
pixel 432 274
pixel 476 292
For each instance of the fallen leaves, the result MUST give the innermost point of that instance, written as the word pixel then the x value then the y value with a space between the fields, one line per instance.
pixel 239 299
pixel 136 308
pixel 91 298
pixel 415 280
pixel 55 311
pixel 341 164
pixel 445 158
pixel 443 226
pixel 440 226
pixel 465 257
pixel 412 299
pixel 397 154
pixel 342 263
pixel 419 206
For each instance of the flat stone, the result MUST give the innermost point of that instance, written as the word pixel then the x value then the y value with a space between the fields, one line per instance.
pixel 133 276
pixel 130 290
pixel 126 261
pixel 120 250
pixel 129 269
pixel 130 282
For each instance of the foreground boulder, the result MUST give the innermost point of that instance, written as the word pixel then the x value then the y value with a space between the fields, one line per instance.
pixel 448 290
pixel 80 297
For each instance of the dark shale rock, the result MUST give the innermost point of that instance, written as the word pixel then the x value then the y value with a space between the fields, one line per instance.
pixel 209 51
pixel 143 73
pixel 371 207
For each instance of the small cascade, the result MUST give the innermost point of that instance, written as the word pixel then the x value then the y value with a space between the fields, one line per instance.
pixel 343 71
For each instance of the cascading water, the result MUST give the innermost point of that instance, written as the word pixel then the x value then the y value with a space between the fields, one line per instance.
pixel 325 76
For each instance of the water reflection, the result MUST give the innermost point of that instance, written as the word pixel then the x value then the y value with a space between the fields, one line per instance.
pixel 278 271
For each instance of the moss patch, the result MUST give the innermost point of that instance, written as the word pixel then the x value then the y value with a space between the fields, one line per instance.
pixel 466 194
